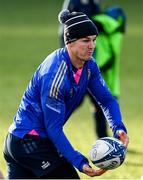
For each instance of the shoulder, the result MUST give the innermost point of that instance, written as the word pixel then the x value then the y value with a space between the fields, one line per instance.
pixel 92 64
pixel 53 62
pixel 53 72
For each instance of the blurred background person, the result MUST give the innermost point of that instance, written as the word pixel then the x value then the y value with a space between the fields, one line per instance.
pixel 111 26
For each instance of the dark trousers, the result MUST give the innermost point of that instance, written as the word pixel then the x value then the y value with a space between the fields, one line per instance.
pixel 65 171
pixel 35 158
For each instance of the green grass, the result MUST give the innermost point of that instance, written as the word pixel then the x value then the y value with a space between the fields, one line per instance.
pixel 28 33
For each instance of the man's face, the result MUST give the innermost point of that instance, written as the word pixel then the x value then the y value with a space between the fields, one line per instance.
pixel 83 48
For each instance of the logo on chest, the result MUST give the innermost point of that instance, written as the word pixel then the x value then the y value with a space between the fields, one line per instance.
pixel 71 92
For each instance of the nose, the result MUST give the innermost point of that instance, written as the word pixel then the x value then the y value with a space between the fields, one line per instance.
pixel 91 44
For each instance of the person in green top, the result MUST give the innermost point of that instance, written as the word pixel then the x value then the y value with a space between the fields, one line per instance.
pixel 111 26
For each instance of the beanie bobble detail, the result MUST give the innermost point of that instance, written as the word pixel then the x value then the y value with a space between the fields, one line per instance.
pixel 76 25
pixel 63 16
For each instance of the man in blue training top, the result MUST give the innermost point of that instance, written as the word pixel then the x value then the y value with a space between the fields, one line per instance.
pixel 36 145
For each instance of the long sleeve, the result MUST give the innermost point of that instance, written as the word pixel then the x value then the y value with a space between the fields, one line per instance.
pixel 97 87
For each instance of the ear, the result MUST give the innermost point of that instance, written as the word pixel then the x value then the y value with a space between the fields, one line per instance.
pixel 70 44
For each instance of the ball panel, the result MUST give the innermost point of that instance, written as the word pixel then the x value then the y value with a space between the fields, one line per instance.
pixel 109 164
pixel 105 149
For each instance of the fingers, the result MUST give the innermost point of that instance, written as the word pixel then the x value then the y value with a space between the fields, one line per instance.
pixel 100 172
pixel 92 172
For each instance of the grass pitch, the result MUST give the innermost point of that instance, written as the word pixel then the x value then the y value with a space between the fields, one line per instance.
pixel 28 33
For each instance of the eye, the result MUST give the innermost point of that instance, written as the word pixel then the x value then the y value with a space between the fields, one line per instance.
pixel 85 40
pixel 94 39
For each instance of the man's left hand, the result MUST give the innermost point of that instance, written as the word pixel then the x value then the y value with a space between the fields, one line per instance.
pixel 122 136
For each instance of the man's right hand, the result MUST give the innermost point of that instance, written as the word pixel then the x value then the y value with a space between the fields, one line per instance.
pixel 92 172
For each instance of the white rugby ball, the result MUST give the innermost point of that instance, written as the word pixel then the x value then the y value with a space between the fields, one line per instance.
pixel 108 153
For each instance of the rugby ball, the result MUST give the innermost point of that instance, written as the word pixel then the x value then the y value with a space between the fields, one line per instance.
pixel 108 153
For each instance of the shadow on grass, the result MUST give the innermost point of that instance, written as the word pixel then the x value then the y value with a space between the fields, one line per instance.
pixel 134 152
pixel 135 164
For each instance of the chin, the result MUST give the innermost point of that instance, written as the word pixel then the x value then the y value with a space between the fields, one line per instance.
pixel 89 57
pixel 86 58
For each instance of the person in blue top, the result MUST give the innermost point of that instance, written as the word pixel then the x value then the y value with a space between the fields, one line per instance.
pixel 36 145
